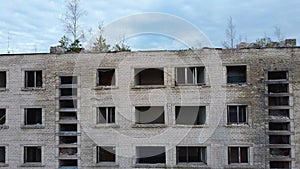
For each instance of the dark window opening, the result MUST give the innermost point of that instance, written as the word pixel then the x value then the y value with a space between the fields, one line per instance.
pixel 68 104
pixel 68 92
pixel 238 155
pixel 190 75
pixel 279 113
pixel 279 139
pixel 2 116
pixel 279 101
pixel 277 75
pixel 2 79
pixel 278 88
pixel 279 126
pixel 191 154
pixel 106 154
pixel 68 140
pixel 68 163
pixel 190 115
pixel 106 115
pixel 2 154
pixel 64 80
pixel 280 165
pixel 67 151
pixel 280 152
pixel 151 76
pixel 68 127
pixel 67 115
pixel 237 114
pixel 32 155
pixel 106 77
pixel 236 74
pixel 33 79
pixel 150 155
pixel 33 116
pixel 150 115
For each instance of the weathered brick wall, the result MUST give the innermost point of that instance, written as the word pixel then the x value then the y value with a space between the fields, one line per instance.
pixel 216 135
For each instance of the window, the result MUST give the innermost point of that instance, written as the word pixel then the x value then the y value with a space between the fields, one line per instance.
pixel 285 126
pixel 106 154
pixel 283 152
pixel 236 74
pixel 191 154
pixel 190 75
pixel 277 75
pixel 68 128
pixel 190 115
pixel 149 76
pixel 278 88
pixel 106 77
pixel 2 79
pixel 33 116
pixel 65 80
pixel 150 115
pixel 2 116
pixel 68 163
pixel 68 140
pixel 2 154
pixel 106 115
pixel 237 114
pixel 67 115
pixel 33 79
pixel 280 165
pixel 68 92
pixel 32 154
pixel 278 100
pixel 150 155
pixel 279 139
pixel 279 113
pixel 238 155
pixel 68 151
pixel 67 104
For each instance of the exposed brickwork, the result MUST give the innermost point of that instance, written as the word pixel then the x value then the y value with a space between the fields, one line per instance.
pixel 216 135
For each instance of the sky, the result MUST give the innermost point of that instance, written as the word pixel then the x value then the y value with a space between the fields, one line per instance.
pixel 32 26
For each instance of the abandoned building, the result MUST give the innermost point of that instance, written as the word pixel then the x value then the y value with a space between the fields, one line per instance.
pixel 206 108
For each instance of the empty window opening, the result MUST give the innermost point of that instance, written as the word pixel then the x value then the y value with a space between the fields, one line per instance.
pixel 32 154
pixel 2 79
pixel 238 155
pixel 280 152
pixel 106 115
pixel 278 75
pixel 278 88
pixel 68 163
pixel 106 77
pixel 33 79
pixel 65 128
pixel 190 115
pixel 68 80
pixel 237 114
pixel 236 74
pixel 190 75
pixel 68 92
pixel 106 154
pixel 67 115
pixel 279 101
pixel 280 165
pixel 150 155
pixel 150 115
pixel 68 140
pixel 191 154
pixel 279 139
pixel 67 151
pixel 2 154
pixel 68 104
pixel 279 126
pixel 33 116
pixel 150 76
pixel 279 113
pixel 2 116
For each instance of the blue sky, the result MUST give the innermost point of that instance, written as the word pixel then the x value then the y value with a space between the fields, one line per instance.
pixel 35 25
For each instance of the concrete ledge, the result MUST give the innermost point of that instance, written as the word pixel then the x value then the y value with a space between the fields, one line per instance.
pixel 149 126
